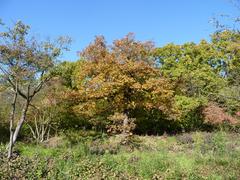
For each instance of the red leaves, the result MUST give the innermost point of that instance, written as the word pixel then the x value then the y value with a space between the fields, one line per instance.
pixel 238 113
pixel 213 114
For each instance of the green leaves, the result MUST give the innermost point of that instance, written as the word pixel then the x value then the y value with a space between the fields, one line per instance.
pixel 187 104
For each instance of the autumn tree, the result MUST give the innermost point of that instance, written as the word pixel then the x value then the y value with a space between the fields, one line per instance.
pixel 112 81
pixel 25 64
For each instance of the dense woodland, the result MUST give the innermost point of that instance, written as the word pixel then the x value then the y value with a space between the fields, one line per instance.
pixel 127 87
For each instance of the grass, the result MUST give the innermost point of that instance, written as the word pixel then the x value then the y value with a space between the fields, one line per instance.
pixel 196 155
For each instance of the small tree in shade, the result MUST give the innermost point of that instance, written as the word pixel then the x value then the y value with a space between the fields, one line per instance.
pixel 25 66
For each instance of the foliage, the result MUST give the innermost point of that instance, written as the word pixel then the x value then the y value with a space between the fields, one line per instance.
pixel 215 115
pixel 203 73
pixel 65 71
pixel 192 66
pixel 117 124
pixel 129 87
pixel 119 80
pixel 25 64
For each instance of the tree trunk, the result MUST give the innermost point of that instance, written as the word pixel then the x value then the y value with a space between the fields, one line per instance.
pixel 21 121
pixel 11 121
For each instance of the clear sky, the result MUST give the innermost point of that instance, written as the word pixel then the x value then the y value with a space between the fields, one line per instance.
pixel 162 21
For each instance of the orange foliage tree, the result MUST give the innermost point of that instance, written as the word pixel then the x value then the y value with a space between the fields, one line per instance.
pixel 112 81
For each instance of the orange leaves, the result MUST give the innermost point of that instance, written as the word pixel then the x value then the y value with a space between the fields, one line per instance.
pixel 95 51
pixel 120 123
pixel 119 79
pixel 128 48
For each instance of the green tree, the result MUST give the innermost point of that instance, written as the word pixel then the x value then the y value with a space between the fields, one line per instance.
pixel 193 66
pixel 201 73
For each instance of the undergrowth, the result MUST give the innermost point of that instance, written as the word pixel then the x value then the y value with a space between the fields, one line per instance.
pixel 198 155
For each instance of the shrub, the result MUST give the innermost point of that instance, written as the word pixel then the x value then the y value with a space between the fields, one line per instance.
pixel 120 123
pixel 215 115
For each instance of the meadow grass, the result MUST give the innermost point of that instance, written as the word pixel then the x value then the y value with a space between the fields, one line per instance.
pixel 196 155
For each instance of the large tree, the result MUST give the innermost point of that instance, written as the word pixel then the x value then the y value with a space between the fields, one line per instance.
pixel 204 73
pixel 25 65
pixel 118 79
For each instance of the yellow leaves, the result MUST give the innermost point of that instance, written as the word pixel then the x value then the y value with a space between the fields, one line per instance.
pixel 87 109
pixel 158 85
pixel 137 86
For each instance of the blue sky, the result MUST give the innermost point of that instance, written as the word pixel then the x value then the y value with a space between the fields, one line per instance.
pixel 162 21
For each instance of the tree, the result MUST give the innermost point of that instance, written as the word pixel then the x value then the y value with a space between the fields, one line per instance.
pixel 111 82
pixel 196 67
pixel 202 72
pixel 65 71
pixel 226 43
pixel 25 64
